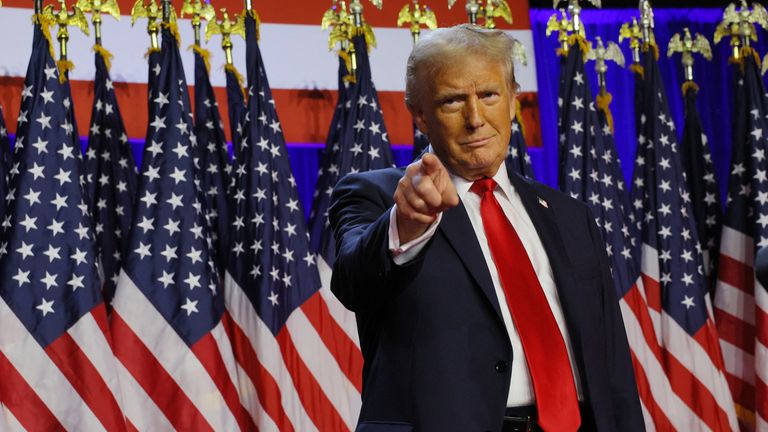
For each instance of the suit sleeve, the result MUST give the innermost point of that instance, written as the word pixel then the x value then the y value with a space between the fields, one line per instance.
pixel 364 274
pixel 627 411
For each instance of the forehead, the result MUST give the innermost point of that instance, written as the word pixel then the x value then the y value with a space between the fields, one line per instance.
pixel 468 70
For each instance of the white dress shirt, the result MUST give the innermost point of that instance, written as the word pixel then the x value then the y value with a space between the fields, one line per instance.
pixel 521 387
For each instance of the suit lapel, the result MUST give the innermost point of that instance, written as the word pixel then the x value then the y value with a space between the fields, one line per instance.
pixel 546 227
pixel 457 228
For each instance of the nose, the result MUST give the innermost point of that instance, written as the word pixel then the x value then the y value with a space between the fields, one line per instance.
pixel 473 115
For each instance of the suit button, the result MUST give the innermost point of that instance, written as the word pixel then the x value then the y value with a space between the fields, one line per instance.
pixel 500 367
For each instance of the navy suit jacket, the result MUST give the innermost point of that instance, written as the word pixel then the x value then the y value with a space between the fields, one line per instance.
pixel 437 353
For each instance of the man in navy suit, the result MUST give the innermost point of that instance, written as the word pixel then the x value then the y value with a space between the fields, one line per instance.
pixel 484 301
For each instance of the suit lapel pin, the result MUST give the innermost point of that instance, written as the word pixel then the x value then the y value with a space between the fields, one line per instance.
pixel 543 203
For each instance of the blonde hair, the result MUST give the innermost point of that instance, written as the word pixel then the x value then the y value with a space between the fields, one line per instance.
pixel 435 49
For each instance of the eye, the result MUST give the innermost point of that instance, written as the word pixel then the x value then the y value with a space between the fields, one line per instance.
pixel 489 94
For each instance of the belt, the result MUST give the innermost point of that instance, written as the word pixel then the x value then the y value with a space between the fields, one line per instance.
pixel 524 419
pixel 520 419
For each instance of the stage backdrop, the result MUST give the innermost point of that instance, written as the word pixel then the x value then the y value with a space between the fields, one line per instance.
pixel 715 99
pixel 302 72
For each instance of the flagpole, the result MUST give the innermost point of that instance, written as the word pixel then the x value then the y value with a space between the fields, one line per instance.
pixel 166 11
pixel 38 6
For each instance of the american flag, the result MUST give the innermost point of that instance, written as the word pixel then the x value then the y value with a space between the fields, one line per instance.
pixel 215 168
pixel 700 173
pixel 176 362
pixel 110 179
pixel 672 270
pixel 292 355
pixel 5 162
pixel 518 157
pixel 58 369
pixel 593 175
pixel 741 302
pixel 236 107
pixel 360 144
pixel 321 237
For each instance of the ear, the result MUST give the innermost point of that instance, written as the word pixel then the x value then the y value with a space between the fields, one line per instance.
pixel 417 113
pixel 513 105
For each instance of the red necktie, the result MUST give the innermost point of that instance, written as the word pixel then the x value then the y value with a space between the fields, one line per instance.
pixel 556 400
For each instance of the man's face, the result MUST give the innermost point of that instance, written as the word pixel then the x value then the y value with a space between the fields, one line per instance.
pixel 466 109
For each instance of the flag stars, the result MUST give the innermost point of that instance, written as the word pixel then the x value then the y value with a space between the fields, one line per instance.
pixel 25 250
pixel 45 307
pixel 273 298
pixel 76 282
pixel 688 302
pixel 22 277
pixel 190 306
pixel 50 280
pixel 29 223
pixel 143 250
pixel 192 281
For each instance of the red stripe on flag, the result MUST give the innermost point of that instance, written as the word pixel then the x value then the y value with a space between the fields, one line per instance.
pixel 315 402
pixel 761 319
pixel 761 398
pixel 652 292
pixel 154 379
pixel 660 420
pixel 635 302
pixel 87 381
pixel 23 402
pixel 708 339
pixel 346 353
pixel 100 316
pixel 304 114
pixel 209 355
pixel 736 274
pixel 695 394
pixel 742 391
pixel 266 386
pixel 735 331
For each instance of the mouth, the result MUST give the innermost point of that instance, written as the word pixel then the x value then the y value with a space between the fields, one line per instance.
pixel 479 142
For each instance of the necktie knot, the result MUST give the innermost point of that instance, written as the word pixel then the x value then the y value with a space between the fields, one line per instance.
pixel 483 186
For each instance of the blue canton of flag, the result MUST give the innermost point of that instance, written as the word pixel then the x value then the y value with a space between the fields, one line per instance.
pixel 5 162
pixel 111 179
pixel 672 264
pixel 517 157
pixel 592 169
pixel 363 146
pixel 52 319
pixel 741 301
pixel 168 307
pixel 214 160
pixel 700 173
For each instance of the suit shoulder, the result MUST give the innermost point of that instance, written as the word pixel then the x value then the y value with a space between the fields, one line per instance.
pixel 385 178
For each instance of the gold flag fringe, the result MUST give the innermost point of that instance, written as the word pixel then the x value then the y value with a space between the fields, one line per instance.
pixel 604 104
pixel 579 39
pixel 106 55
pixel 151 50
pixel 45 26
pixel 638 69
pixel 64 67
pixel 689 85
pixel 205 54
pixel 174 31
pixel 238 75
pixel 255 16
pixel 744 53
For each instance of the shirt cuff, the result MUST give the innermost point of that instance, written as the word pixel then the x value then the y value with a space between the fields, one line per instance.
pixel 402 254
